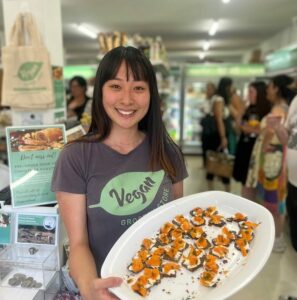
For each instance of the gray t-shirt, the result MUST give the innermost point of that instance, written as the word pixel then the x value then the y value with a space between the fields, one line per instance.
pixel 119 188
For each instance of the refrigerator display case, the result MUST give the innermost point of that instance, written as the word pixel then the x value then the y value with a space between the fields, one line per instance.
pixel 171 98
pixel 194 101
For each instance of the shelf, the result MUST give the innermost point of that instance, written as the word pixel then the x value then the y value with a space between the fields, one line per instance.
pixel 161 66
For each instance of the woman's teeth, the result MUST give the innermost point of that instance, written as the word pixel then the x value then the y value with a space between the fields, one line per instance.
pixel 126 113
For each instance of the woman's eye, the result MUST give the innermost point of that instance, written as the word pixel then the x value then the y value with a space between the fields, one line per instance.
pixel 139 88
pixel 115 86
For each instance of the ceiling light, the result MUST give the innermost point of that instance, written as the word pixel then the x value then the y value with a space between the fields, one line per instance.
pixel 225 1
pixel 87 30
pixel 201 55
pixel 214 27
pixel 206 45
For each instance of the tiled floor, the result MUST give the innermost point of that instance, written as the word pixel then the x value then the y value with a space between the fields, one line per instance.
pixel 279 276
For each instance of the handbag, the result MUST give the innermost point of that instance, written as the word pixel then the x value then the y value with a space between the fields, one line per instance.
pixel 27 75
pixel 219 163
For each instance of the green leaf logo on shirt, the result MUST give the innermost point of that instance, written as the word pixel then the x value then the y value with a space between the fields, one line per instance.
pixel 130 193
pixel 29 70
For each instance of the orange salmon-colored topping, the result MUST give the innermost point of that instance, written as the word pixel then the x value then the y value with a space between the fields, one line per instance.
pixel 241 244
pixel 143 254
pixel 167 228
pixel 178 244
pixel 140 289
pixel 197 211
pixel 159 251
pixel 152 273
pixel 154 261
pixel 202 243
pixel 216 219
pixel 170 266
pixel 147 243
pixel 238 217
pixel 185 225
pixel 137 265
pixel 221 240
pixel 207 278
pixel 176 234
pixel 199 220
pixel 230 235
pixel 210 211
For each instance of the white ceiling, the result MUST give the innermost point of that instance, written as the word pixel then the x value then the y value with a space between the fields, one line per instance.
pixel 183 25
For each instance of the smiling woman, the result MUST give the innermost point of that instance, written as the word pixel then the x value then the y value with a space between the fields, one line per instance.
pixel 126 166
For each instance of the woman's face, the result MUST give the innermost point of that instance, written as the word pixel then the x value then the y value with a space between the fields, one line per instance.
pixel 252 95
pixel 272 92
pixel 126 102
pixel 210 90
pixel 76 89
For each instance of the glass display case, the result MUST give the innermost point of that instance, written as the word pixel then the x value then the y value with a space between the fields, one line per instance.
pixel 27 266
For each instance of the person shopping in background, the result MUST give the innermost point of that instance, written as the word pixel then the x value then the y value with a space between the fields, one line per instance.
pixel 233 110
pixel 126 160
pixel 78 100
pixel 258 107
pixel 268 170
pixel 215 139
pixel 287 134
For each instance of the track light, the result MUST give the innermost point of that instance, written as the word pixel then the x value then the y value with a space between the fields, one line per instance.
pixel 87 30
pixel 206 45
pixel 214 27
pixel 201 55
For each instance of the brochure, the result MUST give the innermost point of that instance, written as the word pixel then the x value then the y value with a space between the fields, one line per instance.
pixel 32 154
pixel 37 228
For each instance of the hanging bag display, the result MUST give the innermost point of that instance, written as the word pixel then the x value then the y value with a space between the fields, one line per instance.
pixel 27 76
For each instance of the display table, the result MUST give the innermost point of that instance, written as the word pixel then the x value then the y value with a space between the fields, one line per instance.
pixel 7 293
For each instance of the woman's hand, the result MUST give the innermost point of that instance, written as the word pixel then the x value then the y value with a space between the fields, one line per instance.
pixel 223 144
pixel 98 289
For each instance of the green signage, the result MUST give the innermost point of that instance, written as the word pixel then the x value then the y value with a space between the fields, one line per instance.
pixel 86 71
pixel 220 70
pixel 281 60
pixel 32 154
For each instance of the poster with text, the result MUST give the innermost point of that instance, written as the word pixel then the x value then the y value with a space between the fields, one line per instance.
pixel 5 227
pixel 32 154
pixel 37 229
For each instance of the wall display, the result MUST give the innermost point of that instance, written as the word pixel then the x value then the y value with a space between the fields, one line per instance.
pixel 37 229
pixel 5 227
pixel 32 154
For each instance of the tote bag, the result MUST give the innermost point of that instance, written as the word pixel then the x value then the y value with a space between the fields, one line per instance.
pixel 27 76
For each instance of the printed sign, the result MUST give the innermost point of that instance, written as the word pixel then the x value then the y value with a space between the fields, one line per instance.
pixel 37 229
pixel 32 154
pixel 5 227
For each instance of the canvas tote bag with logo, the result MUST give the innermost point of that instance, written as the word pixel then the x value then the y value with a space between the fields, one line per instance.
pixel 27 77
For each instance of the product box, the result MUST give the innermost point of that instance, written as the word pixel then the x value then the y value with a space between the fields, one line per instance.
pixel 28 266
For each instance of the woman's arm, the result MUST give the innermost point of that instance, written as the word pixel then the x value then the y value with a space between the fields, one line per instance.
pixel 218 108
pixel 72 209
pixel 178 189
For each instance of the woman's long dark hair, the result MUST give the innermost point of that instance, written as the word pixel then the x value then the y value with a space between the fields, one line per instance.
pixel 263 105
pixel 282 82
pixel 224 89
pixel 160 142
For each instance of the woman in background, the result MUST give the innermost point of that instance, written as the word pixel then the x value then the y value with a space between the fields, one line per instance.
pixel 78 98
pixel 268 171
pixel 258 107
pixel 215 138
pixel 233 110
